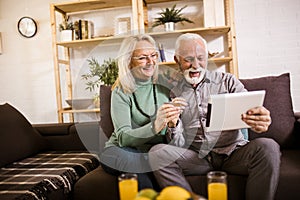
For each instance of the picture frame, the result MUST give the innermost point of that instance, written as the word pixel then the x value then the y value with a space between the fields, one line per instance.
pixel 123 26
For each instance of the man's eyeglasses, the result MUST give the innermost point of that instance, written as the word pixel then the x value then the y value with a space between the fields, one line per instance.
pixel 144 58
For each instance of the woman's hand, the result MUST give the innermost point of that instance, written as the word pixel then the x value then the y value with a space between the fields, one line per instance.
pixel 258 118
pixel 168 114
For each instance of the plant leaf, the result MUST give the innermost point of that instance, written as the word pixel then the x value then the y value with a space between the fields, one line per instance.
pixel 171 15
pixel 105 73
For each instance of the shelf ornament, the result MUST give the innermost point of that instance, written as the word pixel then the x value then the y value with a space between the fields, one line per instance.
pixel 104 74
pixel 66 28
pixel 169 17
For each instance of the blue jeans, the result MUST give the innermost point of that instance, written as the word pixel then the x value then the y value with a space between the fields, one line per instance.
pixel 117 160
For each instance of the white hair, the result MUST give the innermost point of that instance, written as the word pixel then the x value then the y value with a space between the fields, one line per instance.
pixel 186 37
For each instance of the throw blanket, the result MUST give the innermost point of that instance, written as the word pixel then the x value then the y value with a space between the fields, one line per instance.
pixel 36 177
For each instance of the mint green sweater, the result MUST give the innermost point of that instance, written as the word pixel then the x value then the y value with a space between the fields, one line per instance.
pixel 131 127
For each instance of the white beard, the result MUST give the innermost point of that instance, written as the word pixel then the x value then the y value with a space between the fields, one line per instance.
pixel 194 80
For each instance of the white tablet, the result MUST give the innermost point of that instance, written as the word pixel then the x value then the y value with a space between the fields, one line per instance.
pixel 225 110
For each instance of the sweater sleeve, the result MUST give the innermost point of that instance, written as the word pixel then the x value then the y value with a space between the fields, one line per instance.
pixel 125 133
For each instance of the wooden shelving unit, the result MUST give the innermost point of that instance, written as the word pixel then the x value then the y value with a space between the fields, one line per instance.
pixel 63 61
pixel 138 9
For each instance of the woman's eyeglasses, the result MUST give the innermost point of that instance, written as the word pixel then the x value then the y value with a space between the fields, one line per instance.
pixel 144 58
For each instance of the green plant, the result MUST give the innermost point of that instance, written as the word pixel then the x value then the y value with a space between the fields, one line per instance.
pixel 106 73
pixel 66 25
pixel 171 15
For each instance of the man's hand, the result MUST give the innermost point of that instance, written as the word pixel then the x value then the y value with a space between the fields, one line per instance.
pixel 168 114
pixel 258 118
pixel 180 103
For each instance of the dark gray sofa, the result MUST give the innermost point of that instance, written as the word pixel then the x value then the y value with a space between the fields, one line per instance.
pixel 285 129
pixel 43 161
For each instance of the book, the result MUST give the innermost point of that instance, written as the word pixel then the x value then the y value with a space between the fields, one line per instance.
pixel 84 29
pixel 161 52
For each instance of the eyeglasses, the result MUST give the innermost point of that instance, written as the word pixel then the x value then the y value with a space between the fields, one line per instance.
pixel 144 58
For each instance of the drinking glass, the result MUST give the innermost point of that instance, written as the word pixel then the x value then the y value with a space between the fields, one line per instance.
pixel 128 186
pixel 217 185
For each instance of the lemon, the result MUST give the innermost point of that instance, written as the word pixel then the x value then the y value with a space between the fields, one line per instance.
pixel 141 198
pixel 174 193
pixel 148 192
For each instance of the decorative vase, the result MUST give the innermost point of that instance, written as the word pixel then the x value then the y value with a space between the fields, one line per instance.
pixel 66 35
pixel 169 26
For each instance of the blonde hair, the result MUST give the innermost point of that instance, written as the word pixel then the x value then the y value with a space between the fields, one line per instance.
pixel 125 78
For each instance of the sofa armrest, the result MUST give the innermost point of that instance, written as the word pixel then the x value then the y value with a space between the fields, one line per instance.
pixel 53 129
pixel 60 136
pixel 70 136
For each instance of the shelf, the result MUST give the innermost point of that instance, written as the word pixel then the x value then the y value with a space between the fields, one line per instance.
pixel 157 1
pixel 222 60
pixel 211 31
pixel 218 61
pixel 86 42
pixel 69 110
pixel 90 5
pixel 202 31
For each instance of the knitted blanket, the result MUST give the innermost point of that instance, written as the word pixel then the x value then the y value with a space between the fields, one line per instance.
pixel 37 176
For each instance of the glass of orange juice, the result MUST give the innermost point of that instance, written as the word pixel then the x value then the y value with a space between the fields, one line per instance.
pixel 217 185
pixel 128 186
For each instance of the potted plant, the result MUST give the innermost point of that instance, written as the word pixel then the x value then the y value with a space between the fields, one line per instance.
pixel 169 17
pixel 104 74
pixel 66 28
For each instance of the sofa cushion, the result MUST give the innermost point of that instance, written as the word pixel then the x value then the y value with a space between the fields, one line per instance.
pixel 289 180
pixel 278 101
pixel 18 139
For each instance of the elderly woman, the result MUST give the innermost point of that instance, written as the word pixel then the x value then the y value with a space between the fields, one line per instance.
pixel 138 111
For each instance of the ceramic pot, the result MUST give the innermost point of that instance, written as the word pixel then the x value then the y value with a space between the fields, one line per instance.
pixel 66 35
pixel 169 26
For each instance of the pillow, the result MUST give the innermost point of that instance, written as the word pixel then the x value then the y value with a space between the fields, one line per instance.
pixel 279 102
pixel 18 139
pixel 105 117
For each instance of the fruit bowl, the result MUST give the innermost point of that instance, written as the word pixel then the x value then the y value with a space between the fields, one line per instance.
pixel 80 103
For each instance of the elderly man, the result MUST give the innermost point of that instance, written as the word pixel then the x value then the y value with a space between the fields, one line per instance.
pixel 193 150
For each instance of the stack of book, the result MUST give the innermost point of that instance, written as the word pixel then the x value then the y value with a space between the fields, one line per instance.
pixel 83 29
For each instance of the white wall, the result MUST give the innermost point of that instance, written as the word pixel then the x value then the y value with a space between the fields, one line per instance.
pixel 26 67
pixel 268 39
